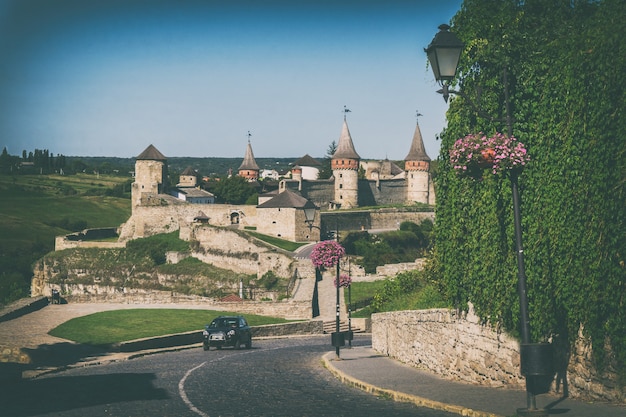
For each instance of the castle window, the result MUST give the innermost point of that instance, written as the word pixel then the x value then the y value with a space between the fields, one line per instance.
pixel 340 185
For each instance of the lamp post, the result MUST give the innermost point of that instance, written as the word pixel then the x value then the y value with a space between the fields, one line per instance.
pixel 443 54
pixel 337 338
pixel 309 209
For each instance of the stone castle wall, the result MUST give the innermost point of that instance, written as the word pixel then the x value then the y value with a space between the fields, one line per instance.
pixel 287 309
pixel 381 219
pixel 148 221
pixel 227 249
pixel 392 191
pixel 457 346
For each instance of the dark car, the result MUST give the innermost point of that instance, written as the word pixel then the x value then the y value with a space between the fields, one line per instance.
pixel 227 331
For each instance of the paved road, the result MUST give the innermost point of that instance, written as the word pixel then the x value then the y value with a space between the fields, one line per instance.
pixel 280 377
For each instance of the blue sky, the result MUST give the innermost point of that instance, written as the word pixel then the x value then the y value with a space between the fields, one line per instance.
pixel 192 77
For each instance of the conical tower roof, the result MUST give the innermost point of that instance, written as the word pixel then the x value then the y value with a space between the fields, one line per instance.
pixel 307 161
pixel 345 148
pixel 189 171
pixel 152 154
pixel 249 163
pixel 417 151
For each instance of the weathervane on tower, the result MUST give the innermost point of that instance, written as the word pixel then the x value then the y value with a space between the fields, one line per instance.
pixel 417 116
pixel 346 110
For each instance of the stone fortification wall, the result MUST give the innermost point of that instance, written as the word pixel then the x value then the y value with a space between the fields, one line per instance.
pixel 227 249
pixel 287 309
pixel 321 192
pixel 391 270
pixel 391 218
pixel 457 346
pixel 61 242
pixel 148 221
pixel 382 192
pixel 88 239
pixel 380 219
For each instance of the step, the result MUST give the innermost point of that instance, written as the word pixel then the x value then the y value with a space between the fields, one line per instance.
pixel 331 326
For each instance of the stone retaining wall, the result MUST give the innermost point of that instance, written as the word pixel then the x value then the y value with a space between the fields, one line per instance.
pixel 457 346
pixel 190 338
pixel 287 309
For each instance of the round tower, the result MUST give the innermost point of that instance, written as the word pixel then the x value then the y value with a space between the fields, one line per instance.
pixel 296 173
pixel 345 166
pixel 150 168
pixel 249 168
pixel 417 167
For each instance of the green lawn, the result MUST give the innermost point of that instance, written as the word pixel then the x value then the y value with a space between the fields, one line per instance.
pixel 123 325
pixel 281 243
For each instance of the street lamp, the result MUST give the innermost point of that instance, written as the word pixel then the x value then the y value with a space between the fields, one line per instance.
pixel 309 214
pixel 536 358
pixel 443 54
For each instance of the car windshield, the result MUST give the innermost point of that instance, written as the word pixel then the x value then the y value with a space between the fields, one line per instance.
pixel 225 322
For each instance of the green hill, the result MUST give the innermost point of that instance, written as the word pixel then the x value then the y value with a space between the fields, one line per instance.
pixel 34 209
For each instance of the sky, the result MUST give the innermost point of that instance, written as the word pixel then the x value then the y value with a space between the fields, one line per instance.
pixel 200 78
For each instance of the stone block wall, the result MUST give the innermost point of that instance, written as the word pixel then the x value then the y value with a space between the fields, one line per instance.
pixel 227 249
pixel 457 346
pixel 151 220
pixel 389 218
pixel 287 309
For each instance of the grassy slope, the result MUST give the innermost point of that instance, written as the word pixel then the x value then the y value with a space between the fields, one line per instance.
pixel 34 210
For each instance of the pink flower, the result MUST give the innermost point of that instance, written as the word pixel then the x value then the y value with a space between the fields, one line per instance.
pixel 474 152
pixel 344 281
pixel 326 254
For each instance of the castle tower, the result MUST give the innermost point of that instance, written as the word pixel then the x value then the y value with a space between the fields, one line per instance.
pixel 188 178
pixel 150 169
pixel 345 166
pixel 249 168
pixel 417 166
pixel 296 173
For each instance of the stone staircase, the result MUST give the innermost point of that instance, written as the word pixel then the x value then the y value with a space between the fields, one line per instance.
pixel 330 327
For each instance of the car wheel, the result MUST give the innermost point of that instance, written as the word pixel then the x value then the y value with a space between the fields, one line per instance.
pixel 218 347
pixel 249 344
pixel 237 344
pixel 205 346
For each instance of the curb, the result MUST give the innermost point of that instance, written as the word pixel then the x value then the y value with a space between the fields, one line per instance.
pixel 400 396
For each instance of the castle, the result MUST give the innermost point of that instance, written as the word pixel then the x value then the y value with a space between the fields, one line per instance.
pixel 281 214
pixel 383 183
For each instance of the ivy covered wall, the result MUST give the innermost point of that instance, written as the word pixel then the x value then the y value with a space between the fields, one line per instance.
pixel 566 61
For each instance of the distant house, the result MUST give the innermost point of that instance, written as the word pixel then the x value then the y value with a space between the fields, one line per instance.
pixel 306 168
pixel 269 173
pixel 187 189
pixel 194 195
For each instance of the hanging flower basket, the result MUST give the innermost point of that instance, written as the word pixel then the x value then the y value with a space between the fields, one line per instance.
pixel 326 254
pixel 474 154
pixel 344 281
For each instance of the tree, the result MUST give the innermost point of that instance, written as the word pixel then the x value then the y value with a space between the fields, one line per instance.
pixel 327 171
pixel 233 190
pixel 568 102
